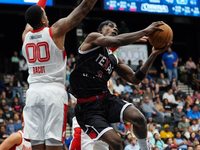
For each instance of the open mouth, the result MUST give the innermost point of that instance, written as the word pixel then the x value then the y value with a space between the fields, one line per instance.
pixel 114 33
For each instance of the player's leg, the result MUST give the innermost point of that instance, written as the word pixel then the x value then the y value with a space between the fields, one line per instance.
pixel 52 144
pixel 112 139
pixel 133 115
pixel 37 145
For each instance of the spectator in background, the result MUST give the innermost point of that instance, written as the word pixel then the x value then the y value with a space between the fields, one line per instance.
pixel 120 129
pixel 198 71
pixel 195 82
pixel 197 147
pixel 178 114
pixel 136 98
pixel 2 85
pixel 169 143
pixel 183 124
pixel 195 126
pixel 194 113
pixel 170 63
pixel 145 84
pixel 168 110
pixel 9 88
pixel 188 132
pixel 195 95
pixel 118 88
pixel 163 82
pixel 159 105
pixel 17 86
pixel 15 62
pixel 186 108
pixel 71 60
pixel 123 27
pixel 174 86
pixel 180 142
pixel 16 106
pixel 183 72
pixel 140 64
pixel 190 65
pixel 196 102
pixel 192 140
pixel 170 97
pixel 127 97
pixel 3 134
pixel 156 140
pixel 150 93
pixel 10 128
pixel 133 144
pixel 23 68
pixel 7 113
pixel 2 122
pixel 189 100
pixel 2 103
pixel 164 134
pixel 149 109
pixel 128 89
pixel 17 123
pixel 130 65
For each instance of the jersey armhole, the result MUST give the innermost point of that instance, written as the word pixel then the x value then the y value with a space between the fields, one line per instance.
pixel 21 139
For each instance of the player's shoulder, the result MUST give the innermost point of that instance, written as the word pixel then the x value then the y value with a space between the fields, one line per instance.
pixel 95 35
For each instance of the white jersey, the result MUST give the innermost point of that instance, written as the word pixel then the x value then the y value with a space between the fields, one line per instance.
pixel 46 62
pixel 23 145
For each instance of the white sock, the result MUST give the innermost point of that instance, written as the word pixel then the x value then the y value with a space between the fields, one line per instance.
pixel 143 144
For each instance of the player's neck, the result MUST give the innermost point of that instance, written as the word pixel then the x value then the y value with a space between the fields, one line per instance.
pixel 38 27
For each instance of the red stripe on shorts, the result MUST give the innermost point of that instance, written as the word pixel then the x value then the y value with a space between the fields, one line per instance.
pixel 64 123
pixel 76 142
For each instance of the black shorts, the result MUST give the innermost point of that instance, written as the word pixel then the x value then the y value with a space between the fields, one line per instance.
pixel 94 117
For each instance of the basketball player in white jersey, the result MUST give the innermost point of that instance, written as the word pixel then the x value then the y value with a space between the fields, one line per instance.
pixel 16 141
pixel 46 105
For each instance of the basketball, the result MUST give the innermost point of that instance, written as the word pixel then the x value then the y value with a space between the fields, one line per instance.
pixel 160 38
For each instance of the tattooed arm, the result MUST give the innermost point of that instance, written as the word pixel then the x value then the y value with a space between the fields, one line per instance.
pixel 64 25
pixel 126 72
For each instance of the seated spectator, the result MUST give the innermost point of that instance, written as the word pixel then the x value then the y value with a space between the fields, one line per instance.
pixel 120 129
pixel 2 103
pixel 159 105
pixel 16 106
pixel 189 99
pixel 3 134
pixel 151 131
pixel 149 109
pixel 127 126
pixel 128 89
pixel 194 113
pixel 192 139
pixel 10 128
pixel 156 140
pixel 195 95
pixel 197 147
pixel 136 98
pixel 174 86
pixel 180 142
pixel 169 143
pixel 149 93
pixel 164 134
pixel 186 108
pixel 17 123
pixel 163 82
pixel 168 95
pixel 9 88
pixel 180 100
pixel 133 144
pixel 140 64
pixel 198 135
pixel 145 83
pixel 7 113
pixel 2 85
pixel 128 137
pixel 195 126
pixel 188 132
pixel 127 97
pixel 196 102
pixel 168 111
pixel 198 71
pixel 178 114
pixel 195 82
pixel 190 148
pixel 183 124
pixel 118 88
pixel 2 121
pixel 190 65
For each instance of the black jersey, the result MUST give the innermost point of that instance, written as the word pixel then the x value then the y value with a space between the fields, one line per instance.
pixel 93 69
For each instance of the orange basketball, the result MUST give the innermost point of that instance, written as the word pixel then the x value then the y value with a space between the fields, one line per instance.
pixel 160 38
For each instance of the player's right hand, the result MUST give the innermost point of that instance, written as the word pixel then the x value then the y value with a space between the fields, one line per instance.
pixel 154 26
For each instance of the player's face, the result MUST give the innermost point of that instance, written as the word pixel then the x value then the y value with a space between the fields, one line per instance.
pixel 110 30
pixel 45 20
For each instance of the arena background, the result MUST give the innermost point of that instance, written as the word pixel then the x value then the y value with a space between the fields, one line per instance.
pixel 186 41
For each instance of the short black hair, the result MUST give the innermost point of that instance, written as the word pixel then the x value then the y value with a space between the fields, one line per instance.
pixel 103 24
pixel 33 15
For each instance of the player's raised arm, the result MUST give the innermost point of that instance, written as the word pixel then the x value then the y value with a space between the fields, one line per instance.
pixel 62 26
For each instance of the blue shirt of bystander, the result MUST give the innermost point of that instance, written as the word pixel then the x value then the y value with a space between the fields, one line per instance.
pixel 169 59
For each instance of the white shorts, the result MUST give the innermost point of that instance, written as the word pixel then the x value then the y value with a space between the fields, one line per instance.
pixel 81 141
pixel 45 112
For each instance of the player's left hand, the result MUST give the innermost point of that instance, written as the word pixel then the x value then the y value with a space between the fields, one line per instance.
pixel 142 39
pixel 159 51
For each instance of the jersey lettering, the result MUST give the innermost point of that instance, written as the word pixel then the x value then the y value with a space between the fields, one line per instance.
pixel 100 73
pixel 38 69
pixel 41 47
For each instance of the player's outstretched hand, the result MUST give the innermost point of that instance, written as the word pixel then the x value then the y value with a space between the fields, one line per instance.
pixel 154 26
pixel 142 39
pixel 159 51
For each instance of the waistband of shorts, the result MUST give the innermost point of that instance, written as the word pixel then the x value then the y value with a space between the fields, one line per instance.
pixel 92 98
pixel 51 83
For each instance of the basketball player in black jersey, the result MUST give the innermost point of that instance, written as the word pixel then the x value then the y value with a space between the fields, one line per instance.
pixel 96 108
